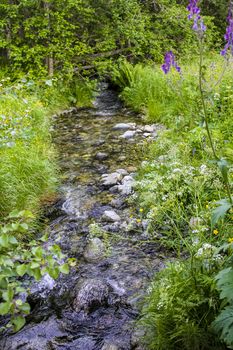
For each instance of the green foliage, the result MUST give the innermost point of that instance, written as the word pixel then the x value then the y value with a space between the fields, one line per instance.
pixel 43 37
pixel 28 172
pixel 20 259
pixel 181 305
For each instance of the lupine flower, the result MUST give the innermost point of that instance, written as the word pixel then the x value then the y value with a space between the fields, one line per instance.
pixel 194 14
pixel 229 33
pixel 169 61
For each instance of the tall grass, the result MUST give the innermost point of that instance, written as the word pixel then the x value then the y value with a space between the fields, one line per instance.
pixel 28 169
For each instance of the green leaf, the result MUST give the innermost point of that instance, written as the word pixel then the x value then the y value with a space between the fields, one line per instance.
pixel 34 265
pixel 23 226
pixel 4 240
pixel 21 269
pixel 14 214
pixel 25 307
pixel 5 308
pixel 13 240
pixel 64 269
pixel 53 272
pixel 8 294
pixel 220 211
pixel 224 167
pixel 18 322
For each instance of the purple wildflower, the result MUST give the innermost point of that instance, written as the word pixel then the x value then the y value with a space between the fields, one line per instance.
pixel 169 61
pixel 194 14
pixel 229 33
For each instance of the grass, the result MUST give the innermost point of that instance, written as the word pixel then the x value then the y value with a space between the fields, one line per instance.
pixel 28 172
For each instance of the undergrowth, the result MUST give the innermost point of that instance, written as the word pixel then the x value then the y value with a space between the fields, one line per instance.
pixel 178 189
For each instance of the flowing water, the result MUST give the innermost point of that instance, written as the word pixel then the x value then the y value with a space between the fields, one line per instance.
pixel 95 307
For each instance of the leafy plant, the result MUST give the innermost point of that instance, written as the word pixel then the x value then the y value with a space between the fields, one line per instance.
pixel 18 259
pixel 182 303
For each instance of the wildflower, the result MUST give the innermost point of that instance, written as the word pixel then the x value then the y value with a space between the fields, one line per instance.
pixel 207 206
pixel 229 33
pixel 141 210
pixel 230 240
pixel 194 14
pixel 169 61
pixel 215 232
pixel 139 221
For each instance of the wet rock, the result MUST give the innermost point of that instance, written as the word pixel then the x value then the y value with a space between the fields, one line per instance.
pixel 123 126
pixel 122 172
pixel 115 227
pixel 149 128
pixel 95 250
pixel 86 343
pixel 117 203
pixel 128 134
pixel 92 293
pixel 109 346
pixel 43 287
pixel 111 179
pixel 36 337
pixel 147 134
pixel 101 156
pixel 127 185
pixel 111 216
pixel 114 189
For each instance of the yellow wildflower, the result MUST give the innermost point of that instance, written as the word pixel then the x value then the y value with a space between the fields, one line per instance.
pixel 138 221
pixel 207 206
pixel 215 232
pixel 230 240
pixel 141 210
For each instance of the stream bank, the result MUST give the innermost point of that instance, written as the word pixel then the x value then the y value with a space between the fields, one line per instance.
pixel 96 305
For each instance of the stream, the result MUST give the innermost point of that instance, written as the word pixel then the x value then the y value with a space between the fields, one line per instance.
pixel 94 221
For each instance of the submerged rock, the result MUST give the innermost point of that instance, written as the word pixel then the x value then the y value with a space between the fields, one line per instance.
pixel 128 134
pixel 123 126
pixel 111 216
pixel 111 179
pixel 94 250
pixel 101 156
pixel 92 293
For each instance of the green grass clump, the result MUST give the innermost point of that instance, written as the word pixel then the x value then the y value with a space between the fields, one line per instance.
pixel 28 171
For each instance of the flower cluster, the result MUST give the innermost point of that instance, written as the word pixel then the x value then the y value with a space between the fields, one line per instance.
pixel 229 33
pixel 194 14
pixel 169 61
